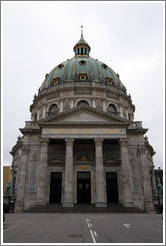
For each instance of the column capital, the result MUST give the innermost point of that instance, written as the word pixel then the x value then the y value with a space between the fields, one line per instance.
pixel 123 142
pixel 69 142
pixel 98 141
pixel 44 141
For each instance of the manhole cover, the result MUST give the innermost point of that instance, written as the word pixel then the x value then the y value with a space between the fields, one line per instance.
pixel 75 235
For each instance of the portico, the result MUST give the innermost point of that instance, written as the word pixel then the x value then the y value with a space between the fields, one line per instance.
pixel 86 150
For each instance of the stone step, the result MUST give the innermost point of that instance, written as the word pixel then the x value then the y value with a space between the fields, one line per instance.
pixel 83 208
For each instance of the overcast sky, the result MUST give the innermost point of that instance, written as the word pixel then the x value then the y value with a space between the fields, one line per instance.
pixel 127 36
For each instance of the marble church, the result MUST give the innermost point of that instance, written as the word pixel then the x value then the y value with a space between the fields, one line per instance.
pixel 82 144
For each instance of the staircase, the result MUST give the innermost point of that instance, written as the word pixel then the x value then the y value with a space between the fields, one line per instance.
pixel 83 208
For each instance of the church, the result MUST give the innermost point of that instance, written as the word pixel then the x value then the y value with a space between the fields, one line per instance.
pixel 82 145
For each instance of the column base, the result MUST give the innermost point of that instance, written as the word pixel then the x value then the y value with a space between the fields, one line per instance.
pixel 128 204
pixel 101 205
pixel 40 204
pixel 68 204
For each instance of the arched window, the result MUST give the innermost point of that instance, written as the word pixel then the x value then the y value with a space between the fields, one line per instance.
pixel 112 109
pixel 82 103
pixel 53 109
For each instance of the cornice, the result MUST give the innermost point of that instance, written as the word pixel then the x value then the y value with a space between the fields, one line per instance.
pixel 150 148
pixel 30 131
pixel 15 148
pixel 137 131
pixel 50 124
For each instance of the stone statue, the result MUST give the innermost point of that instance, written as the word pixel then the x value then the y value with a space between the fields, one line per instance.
pixel 159 190
pixel 7 191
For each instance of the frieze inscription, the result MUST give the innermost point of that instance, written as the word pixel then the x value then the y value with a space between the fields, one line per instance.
pixel 83 131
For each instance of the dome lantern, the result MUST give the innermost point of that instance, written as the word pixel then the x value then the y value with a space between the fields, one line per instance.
pixel 82 48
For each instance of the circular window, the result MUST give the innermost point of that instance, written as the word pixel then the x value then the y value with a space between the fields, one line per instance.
pixel 82 77
pixel 109 81
pixel 55 81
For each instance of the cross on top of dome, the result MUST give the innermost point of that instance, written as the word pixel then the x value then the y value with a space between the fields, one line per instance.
pixel 81 29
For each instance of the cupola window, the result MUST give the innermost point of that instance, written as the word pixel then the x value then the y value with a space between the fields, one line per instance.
pixel 109 81
pixel 53 109
pixel 104 66
pixel 112 109
pixel 82 62
pixel 82 77
pixel 55 81
pixel 82 103
pixel 60 66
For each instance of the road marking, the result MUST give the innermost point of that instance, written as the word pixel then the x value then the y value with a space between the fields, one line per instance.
pixel 95 233
pixel 88 225
pixel 91 225
pixel 87 220
pixel 159 224
pixel 9 228
pixel 127 225
pixel 93 238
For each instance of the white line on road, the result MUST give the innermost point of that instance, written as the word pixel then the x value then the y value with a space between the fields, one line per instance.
pixel 159 225
pixel 93 238
pixel 95 233
pixel 127 225
pixel 88 225
pixel 9 228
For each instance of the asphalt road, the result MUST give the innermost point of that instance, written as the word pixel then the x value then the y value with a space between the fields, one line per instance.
pixel 82 228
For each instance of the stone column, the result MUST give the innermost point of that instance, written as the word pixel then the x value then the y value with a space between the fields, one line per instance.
pixel 41 173
pixel 100 189
pixel 61 105
pixel 72 103
pixel 19 206
pixel 44 111
pixel 68 189
pixel 126 175
pixel 93 103
pixel 147 188
pixel 121 112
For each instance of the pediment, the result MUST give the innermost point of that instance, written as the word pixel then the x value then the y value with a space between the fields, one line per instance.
pixel 83 115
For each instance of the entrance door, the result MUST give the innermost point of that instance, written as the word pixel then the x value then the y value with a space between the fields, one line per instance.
pixel 83 187
pixel 112 188
pixel 55 187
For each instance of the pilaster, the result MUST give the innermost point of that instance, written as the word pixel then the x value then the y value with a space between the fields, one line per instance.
pixel 41 172
pixel 148 203
pixel 19 206
pixel 68 189
pixel 100 189
pixel 126 174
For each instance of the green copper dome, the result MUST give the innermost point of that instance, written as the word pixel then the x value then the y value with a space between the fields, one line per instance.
pixel 82 68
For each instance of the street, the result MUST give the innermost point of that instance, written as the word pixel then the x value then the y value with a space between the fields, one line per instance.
pixel 83 228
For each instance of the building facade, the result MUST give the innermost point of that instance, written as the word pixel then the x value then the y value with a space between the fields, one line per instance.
pixel 82 144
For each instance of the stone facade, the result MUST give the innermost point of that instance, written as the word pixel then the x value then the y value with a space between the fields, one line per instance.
pixel 82 144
